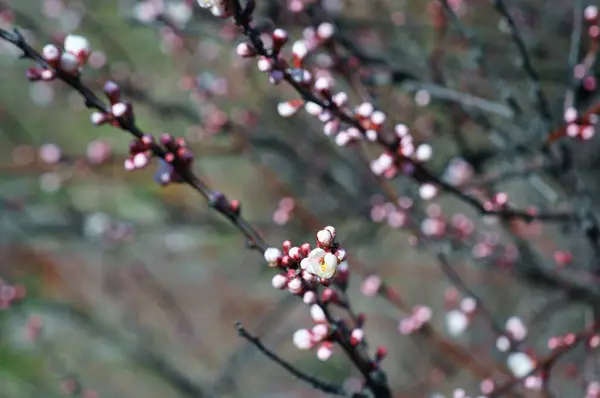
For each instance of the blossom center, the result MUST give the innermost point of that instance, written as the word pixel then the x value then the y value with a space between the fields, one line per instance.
pixel 322 264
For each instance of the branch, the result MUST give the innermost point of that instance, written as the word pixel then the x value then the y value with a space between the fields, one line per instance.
pixel 542 103
pixel 314 382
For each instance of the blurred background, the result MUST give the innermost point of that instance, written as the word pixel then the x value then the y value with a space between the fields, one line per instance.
pixel 133 289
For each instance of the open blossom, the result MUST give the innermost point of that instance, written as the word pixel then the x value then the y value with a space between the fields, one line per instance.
pixel 320 263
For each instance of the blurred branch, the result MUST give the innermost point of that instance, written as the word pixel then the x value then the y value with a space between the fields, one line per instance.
pixel 314 382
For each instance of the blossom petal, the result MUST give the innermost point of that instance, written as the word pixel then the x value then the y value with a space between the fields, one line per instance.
pixel 327 269
pixel 317 253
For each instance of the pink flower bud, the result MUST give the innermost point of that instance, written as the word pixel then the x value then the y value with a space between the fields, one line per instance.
pixel 324 84
pixel 325 30
pixel 265 64
pixel 401 131
pixel 289 108
pixel 317 314
pixel 279 281
pixel 313 108
pixel 48 74
pixel 372 135
pixel 69 64
pixel 378 118
pixel 280 37
pixel 365 109
pixel 324 237
pixel 51 53
pixel 325 351
pixel 309 297
pixel 303 339
pixel 356 336
pixel 245 50
pixel 295 285
pixel 98 118
pixel 331 128
pixel 119 109
pixel 128 164
pixel 272 255
pixel 340 99
pixel 140 160
pixel 79 46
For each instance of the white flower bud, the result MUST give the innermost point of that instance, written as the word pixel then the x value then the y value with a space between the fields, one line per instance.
pixel 272 255
pixel 303 339
pixel 279 281
pixel 69 64
pixel 317 314
pixel 77 45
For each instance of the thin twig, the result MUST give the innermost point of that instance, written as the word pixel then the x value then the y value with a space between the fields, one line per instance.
pixel 314 382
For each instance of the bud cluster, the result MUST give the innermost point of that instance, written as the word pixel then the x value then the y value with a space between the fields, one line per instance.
pixel 119 110
pixel 70 60
pixel 305 265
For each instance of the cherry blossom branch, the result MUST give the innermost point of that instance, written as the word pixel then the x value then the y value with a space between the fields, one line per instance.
pixel 178 160
pixel 570 99
pixel 542 104
pixel 278 71
pixel 311 380
pixel 571 340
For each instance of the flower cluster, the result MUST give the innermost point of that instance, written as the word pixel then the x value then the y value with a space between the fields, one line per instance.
pixel 118 109
pixel 583 128
pixel 321 335
pixel 70 60
pixel 306 265
pixel 177 153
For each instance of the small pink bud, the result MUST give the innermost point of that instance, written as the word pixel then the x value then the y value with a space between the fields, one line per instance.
pixel 317 314
pixel 295 285
pixel 140 160
pixel 365 109
pixel 128 164
pixel 356 336
pixel 401 131
pixel 69 64
pixel 324 237
pixel 309 297
pixel 294 253
pixel 378 118
pixel 51 53
pixel 289 108
pixel 98 118
pixel 325 30
pixel 303 339
pixel 48 74
pixel 265 64
pixel 279 281
pixel 325 351
pixel 340 99
pixel 331 127
pixel 372 135
pixel 112 91
pixel 272 255
pixel 119 109
pixel 245 50
pixel 324 85
pixel 300 50
pixel 280 37
pixel 313 108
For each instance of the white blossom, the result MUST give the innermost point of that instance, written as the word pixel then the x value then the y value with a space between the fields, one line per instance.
pixel 320 263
